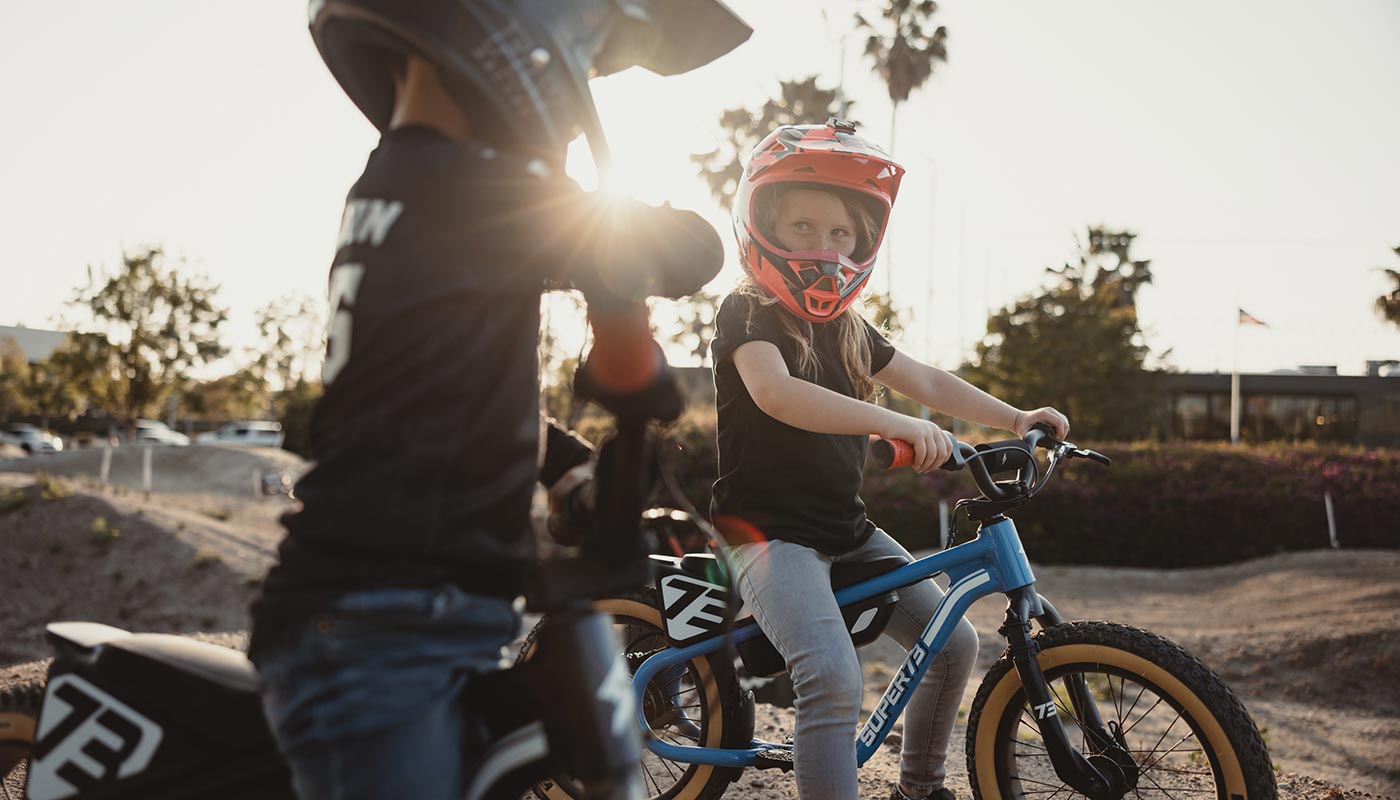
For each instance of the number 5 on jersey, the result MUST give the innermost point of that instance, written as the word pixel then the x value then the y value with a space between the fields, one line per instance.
pixel 345 284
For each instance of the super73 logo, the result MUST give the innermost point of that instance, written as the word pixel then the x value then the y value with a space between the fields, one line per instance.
pixel 692 607
pixel 85 737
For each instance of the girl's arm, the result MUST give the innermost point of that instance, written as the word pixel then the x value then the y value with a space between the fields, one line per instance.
pixel 952 395
pixel 805 405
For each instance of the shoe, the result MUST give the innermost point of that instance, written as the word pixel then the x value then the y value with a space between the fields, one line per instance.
pixel 938 794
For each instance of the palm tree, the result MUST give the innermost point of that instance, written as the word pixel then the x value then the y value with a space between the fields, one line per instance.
pixel 905 47
pixel 1388 304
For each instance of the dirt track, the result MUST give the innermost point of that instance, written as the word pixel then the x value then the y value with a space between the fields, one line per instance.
pixel 1310 641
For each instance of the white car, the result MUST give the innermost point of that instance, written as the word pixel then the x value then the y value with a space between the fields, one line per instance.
pixel 255 433
pixel 31 439
pixel 149 431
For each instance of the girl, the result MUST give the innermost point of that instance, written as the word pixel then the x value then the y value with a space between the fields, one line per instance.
pixel 794 365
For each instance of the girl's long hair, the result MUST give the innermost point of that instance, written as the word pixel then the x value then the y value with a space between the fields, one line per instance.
pixel 852 342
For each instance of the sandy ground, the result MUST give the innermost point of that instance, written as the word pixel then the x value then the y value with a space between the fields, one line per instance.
pixel 1309 641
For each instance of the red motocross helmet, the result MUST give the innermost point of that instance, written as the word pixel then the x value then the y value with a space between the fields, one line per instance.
pixel 816 285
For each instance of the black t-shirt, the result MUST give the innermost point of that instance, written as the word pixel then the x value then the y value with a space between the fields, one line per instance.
pixel 788 483
pixel 428 433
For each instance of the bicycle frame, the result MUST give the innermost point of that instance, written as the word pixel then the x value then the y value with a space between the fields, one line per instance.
pixel 994 562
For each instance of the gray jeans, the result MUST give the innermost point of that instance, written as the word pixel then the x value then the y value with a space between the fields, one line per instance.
pixel 788 588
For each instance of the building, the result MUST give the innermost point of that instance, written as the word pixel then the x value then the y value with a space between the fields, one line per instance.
pixel 1308 404
pixel 36 344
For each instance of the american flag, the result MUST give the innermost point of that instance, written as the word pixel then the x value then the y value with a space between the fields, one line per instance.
pixel 1247 318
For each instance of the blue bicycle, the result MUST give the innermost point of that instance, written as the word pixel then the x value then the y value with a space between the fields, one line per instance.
pixel 1079 709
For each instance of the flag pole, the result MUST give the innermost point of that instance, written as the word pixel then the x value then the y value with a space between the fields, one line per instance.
pixel 1235 382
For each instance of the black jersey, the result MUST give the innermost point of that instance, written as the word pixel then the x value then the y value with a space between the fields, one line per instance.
pixel 427 435
pixel 787 483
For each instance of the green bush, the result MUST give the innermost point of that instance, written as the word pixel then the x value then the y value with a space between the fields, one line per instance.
pixel 1159 505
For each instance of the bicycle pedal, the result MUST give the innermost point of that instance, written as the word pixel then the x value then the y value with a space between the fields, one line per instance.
pixel 774 758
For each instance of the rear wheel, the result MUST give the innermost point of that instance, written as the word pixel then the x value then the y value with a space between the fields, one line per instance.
pixel 687 705
pixel 1175 729
pixel 19 720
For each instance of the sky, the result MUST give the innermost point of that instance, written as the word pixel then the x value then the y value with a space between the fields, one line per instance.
pixel 1251 145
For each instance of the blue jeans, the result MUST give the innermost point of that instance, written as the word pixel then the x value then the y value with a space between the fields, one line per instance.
pixel 788 588
pixel 363 697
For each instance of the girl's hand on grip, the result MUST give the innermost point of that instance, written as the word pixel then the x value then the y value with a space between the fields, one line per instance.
pixel 1025 420
pixel 931 445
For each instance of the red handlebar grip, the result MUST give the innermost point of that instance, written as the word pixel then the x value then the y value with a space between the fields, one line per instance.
pixel 891 453
pixel 624 357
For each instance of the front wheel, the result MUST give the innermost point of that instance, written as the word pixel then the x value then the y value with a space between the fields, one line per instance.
pixel 1175 730
pixel 19 718
pixel 689 705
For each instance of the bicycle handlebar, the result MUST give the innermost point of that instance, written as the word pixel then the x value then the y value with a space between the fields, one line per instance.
pixel 986 459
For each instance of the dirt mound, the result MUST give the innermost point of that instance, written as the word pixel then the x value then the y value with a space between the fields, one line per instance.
pixel 70 554
pixel 1310 642
pixel 222 469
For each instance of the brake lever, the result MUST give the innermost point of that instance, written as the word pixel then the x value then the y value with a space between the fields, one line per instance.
pixel 1100 458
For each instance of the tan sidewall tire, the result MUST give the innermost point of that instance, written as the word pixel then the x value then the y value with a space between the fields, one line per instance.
pixel 714 731
pixel 1059 655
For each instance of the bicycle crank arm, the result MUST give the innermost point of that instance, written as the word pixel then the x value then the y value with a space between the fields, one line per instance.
pixel 1070 765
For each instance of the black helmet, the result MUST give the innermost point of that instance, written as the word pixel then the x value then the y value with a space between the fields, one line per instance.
pixel 520 67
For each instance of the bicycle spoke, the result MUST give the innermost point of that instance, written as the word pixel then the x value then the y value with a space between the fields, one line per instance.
pixel 1168 751
pixel 1129 729
pixel 1131 709
pixel 1050 792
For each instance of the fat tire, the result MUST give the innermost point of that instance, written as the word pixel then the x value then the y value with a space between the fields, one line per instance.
pixel 698 782
pixel 19 721
pixel 1177 676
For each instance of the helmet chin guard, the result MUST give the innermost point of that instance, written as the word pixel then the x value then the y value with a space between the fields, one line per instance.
pixel 829 281
pixel 815 285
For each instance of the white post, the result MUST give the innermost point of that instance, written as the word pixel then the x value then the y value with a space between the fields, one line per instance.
pixel 1235 386
pixel 942 524
pixel 106 471
pixel 1331 521
pixel 146 469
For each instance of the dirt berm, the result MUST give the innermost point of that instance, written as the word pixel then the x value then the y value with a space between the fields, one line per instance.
pixel 1309 641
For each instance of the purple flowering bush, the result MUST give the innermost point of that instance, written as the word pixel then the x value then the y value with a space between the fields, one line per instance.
pixel 1158 505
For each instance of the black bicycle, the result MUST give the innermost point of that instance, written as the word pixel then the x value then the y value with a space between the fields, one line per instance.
pixel 144 715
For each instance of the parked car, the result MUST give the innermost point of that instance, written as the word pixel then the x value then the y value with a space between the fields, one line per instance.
pixel 150 431
pixel 250 432
pixel 31 439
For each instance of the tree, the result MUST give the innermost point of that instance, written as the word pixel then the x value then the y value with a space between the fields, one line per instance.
pixel 695 324
pixel 1077 345
pixel 14 376
pixel 904 46
pixel 77 376
pixel 1388 304
pixel 159 324
pixel 297 403
pixel 559 359
pixel 797 103
pixel 241 394
pixel 882 313
pixel 291 340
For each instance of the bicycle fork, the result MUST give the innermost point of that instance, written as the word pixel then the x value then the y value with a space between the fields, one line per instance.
pixel 587 695
pixel 1070 765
